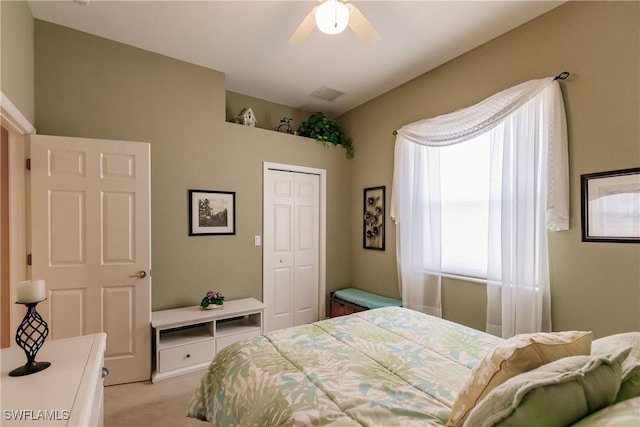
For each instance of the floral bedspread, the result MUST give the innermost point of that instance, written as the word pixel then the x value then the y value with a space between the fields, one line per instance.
pixel 387 367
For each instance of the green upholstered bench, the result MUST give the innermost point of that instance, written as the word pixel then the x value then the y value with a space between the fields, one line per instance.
pixel 352 300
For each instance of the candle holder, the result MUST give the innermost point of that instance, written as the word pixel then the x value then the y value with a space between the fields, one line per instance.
pixel 30 337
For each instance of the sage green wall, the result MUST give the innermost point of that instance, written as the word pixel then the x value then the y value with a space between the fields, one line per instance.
pixel 595 286
pixel 91 87
pixel 16 56
pixel 87 86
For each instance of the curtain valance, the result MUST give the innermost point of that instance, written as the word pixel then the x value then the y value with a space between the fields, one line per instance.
pixel 470 122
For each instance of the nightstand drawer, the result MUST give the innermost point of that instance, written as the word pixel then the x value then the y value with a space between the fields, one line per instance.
pixel 186 355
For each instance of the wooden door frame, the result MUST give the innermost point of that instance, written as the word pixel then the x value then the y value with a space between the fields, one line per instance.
pixel 19 128
pixel 5 282
pixel 322 249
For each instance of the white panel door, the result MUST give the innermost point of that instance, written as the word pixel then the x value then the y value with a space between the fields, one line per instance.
pixel 90 234
pixel 278 250
pixel 306 233
pixel 291 249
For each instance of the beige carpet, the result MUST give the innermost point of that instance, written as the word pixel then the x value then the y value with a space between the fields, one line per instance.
pixel 155 405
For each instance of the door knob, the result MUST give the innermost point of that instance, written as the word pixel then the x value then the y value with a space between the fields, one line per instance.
pixel 140 274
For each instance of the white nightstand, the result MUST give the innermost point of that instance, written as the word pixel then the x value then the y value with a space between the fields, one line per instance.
pixel 187 338
pixel 70 392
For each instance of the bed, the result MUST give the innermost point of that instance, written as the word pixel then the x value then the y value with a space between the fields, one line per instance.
pixel 386 367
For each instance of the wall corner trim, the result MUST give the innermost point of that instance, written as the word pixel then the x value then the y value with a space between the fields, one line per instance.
pixel 12 119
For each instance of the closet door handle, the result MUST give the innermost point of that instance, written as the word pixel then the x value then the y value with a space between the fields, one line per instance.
pixel 140 274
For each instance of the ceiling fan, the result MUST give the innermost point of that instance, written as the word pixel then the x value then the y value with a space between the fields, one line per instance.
pixel 332 17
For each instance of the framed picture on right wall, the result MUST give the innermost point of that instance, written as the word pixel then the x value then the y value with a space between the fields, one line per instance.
pixel 373 218
pixel 611 206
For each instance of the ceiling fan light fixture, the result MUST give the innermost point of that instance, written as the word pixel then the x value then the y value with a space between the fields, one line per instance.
pixel 332 17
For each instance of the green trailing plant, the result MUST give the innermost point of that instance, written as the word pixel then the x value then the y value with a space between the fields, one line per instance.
pixel 323 129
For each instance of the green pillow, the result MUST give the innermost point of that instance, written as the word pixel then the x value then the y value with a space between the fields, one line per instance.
pixel 630 367
pixel 556 394
pixel 621 414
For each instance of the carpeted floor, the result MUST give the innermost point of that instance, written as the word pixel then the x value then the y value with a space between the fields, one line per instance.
pixel 145 404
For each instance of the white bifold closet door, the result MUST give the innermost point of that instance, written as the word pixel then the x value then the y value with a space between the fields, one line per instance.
pixel 291 251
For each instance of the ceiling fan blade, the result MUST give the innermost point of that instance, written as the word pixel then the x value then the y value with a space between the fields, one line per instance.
pixel 362 27
pixel 305 28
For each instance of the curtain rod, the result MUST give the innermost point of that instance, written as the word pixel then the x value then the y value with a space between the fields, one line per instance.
pixel 562 76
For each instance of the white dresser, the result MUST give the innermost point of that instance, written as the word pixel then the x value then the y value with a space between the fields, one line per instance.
pixel 68 393
pixel 187 338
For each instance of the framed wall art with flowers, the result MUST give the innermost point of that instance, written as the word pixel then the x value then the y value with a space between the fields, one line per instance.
pixel 373 218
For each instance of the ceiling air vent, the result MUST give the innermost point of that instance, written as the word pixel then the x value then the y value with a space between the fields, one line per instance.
pixel 326 94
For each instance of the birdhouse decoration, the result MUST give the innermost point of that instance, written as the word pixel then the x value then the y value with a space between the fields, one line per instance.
pixel 245 117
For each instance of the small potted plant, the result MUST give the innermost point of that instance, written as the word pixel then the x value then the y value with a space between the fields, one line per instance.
pixel 212 300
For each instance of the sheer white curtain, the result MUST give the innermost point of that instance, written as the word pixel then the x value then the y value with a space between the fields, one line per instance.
pixel 529 194
pixel 418 232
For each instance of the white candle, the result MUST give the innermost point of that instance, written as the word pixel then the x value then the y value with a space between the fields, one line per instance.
pixel 31 291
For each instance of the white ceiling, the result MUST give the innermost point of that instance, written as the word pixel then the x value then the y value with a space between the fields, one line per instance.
pixel 248 41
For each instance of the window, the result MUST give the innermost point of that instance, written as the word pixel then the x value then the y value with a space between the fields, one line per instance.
pixel 464 183
pixel 448 198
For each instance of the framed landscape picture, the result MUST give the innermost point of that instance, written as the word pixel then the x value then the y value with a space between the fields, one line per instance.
pixel 611 206
pixel 212 212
